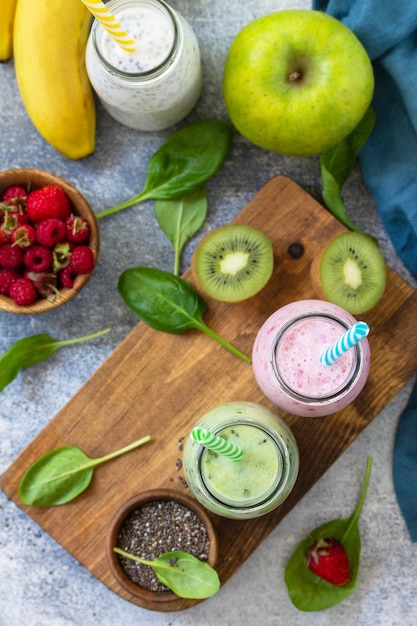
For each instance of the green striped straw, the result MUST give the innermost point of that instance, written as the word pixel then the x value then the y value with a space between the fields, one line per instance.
pixel 213 442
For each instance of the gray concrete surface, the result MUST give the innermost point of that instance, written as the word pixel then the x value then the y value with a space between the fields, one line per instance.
pixel 40 583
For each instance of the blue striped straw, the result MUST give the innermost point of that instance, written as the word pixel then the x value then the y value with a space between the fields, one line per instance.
pixel 214 442
pixel 349 339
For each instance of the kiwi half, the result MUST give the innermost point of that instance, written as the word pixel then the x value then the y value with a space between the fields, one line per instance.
pixel 353 272
pixel 233 262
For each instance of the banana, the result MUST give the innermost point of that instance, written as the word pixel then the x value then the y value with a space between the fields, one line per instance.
pixel 49 41
pixel 7 11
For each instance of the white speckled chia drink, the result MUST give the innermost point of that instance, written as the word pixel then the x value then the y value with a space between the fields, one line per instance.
pixel 286 359
pixel 157 85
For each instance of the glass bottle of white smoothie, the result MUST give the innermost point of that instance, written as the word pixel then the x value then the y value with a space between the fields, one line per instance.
pixel 286 359
pixel 158 84
pixel 256 483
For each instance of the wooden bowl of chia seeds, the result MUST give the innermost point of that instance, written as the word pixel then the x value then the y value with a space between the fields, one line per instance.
pixel 148 525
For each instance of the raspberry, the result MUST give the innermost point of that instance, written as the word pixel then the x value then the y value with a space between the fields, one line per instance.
pixel 7 277
pixel 66 277
pixel 13 194
pixel 50 231
pixel 48 201
pixel 23 235
pixel 10 256
pixel 12 218
pixel 78 229
pixel 45 283
pixel 23 292
pixel 4 237
pixel 38 259
pixel 82 260
pixel 61 256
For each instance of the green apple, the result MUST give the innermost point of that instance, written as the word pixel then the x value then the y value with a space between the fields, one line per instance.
pixel 297 82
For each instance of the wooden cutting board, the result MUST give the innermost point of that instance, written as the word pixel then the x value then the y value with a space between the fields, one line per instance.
pixel 159 384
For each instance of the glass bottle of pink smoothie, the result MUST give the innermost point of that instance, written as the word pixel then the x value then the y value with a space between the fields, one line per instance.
pixel 159 83
pixel 286 359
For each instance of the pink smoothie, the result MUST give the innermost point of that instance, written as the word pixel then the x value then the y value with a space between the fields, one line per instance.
pixel 286 359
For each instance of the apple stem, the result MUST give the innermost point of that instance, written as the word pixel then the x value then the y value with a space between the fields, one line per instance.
pixel 294 76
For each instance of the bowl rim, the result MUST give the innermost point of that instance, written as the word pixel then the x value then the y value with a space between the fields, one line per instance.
pixel 80 205
pixel 151 495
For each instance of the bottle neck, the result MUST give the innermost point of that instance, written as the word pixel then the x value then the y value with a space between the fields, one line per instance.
pixel 295 359
pixel 157 30
pixel 251 482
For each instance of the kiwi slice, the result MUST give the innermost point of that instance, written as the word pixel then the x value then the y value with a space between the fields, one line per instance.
pixel 233 262
pixel 353 272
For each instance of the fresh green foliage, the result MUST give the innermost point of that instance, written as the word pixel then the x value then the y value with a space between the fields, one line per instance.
pixel 183 573
pixel 62 474
pixel 309 592
pixel 336 165
pixel 31 350
pixel 187 160
pixel 180 219
pixel 167 303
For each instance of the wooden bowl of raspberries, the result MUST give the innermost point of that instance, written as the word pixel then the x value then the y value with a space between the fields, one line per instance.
pixel 48 241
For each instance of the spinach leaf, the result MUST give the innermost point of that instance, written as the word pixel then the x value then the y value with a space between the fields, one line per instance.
pixel 31 350
pixel 180 219
pixel 187 159
pixel 167 303
pixel 62 474
pixel 336 165
pixel 309 592
pixel 183 573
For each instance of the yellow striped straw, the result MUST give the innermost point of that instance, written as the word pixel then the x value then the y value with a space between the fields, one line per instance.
pixel 109 22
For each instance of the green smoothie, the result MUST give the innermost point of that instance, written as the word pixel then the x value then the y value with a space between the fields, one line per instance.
pixel 251 479
pixel 260 479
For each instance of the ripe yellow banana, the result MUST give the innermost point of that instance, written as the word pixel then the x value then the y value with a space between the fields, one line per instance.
pixel 49 41
pixel 7 10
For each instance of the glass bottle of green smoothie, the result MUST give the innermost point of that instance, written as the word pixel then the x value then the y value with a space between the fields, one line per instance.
pixel 256 483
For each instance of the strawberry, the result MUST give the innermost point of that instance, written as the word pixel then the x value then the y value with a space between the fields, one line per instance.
pixel 46 202
pixel 327 558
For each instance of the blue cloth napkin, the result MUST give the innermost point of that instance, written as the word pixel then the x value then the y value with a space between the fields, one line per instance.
pixel 388 162
pixel 405 464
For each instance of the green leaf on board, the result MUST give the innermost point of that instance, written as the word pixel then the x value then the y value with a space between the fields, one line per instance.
pixel 183 573
pixel 167 303
pixel 336 165
pixel 62 474
pixel 180 219
pixel 308 592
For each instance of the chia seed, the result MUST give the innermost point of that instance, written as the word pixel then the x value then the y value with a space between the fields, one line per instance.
pixel 157 527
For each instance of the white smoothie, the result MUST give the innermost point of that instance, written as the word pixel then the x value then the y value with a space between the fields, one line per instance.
pixel 159 83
